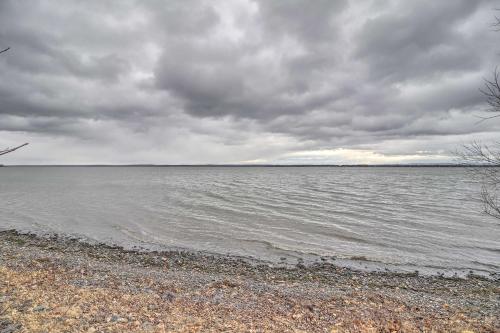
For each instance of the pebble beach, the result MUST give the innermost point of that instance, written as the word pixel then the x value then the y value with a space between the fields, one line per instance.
pixel 54 284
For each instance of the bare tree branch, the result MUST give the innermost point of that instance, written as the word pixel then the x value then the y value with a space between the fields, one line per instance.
pixel 491 202
pixel 9 150
pixel 496 23
pixel 491 91
pixel 484 160
pixel 484 166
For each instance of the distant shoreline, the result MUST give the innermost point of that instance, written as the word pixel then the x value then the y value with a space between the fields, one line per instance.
pixel 261 165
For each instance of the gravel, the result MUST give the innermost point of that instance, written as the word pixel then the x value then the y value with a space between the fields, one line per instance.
pixel 54 284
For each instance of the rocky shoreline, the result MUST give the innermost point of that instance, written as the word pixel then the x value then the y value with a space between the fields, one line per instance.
pixel 53 284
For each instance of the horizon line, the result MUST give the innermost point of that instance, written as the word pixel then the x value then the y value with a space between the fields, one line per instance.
pixel 254 165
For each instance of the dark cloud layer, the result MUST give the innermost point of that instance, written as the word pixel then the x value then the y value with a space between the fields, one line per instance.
pixel 247 80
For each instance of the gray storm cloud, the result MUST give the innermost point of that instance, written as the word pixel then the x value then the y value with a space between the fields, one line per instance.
pixel 244 81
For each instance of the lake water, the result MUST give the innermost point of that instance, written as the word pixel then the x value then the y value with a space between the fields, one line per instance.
pixel 402 218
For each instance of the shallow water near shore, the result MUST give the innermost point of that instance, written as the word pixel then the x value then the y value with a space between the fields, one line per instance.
pixel 403 218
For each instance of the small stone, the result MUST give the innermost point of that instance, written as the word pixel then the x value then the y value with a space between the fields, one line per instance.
pixel 74 312
pixel 11 328
pixel 310 307
pixel 168 296
pixel 147 327
pixel 39 308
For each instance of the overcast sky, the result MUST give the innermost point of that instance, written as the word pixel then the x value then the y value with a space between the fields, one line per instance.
pixel 309 81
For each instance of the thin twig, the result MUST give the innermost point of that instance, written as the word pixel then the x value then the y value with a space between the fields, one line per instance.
pixel 10 150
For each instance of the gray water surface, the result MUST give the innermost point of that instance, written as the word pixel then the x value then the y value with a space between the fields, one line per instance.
pixel 402 217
